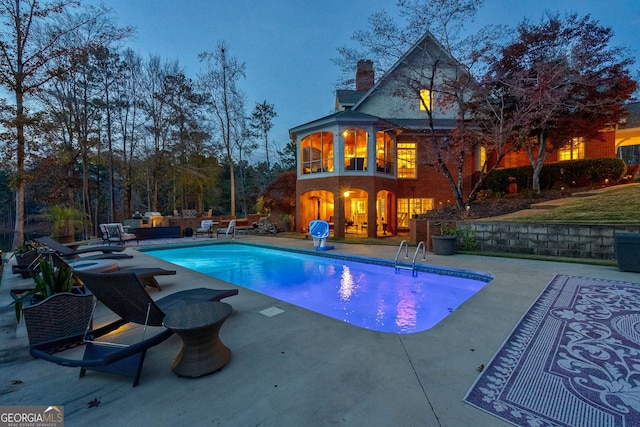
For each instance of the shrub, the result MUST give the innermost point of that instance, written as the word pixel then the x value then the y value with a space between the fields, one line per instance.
pixel 571 173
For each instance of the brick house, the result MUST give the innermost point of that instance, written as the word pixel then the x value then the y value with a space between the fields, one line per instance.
pixel 362 168
pixel 627 137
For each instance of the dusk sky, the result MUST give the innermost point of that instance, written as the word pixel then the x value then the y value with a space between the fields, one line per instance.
pixel 287 45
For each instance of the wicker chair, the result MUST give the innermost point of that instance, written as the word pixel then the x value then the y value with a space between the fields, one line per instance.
pixel 59 316
pixel 124 294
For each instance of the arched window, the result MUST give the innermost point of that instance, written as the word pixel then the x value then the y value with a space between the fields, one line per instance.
pixel 355 149
pixel 385 152
pixel 316 152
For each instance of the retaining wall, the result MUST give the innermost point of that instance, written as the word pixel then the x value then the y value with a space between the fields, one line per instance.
pixel 563 240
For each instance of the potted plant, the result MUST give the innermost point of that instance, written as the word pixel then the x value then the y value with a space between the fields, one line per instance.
pixel 65 222
pixel 56 311
pixel 445 243
pixel 287 221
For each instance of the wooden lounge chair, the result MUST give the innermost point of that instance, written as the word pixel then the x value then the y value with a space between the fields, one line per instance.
pixel 105 252
pixel 27 264
pixel 146 275
pixel 123 294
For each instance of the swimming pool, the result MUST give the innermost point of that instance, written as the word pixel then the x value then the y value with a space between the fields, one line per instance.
pixel 366 295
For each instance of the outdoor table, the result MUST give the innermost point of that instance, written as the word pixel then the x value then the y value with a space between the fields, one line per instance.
pixel 198 325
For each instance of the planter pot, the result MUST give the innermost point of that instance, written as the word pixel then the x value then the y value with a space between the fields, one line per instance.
pixel 59 316
pixel 444 244
pixel 627 247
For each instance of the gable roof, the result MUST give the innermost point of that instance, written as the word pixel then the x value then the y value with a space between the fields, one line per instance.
pixel 632 120
pixel 426 38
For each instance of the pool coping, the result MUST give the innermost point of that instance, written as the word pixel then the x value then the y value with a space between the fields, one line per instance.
pixel 421 267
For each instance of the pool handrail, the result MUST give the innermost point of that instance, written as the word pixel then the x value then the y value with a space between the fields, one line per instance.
pixel 412 267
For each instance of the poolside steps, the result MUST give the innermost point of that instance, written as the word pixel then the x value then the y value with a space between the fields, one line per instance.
pixel 405 266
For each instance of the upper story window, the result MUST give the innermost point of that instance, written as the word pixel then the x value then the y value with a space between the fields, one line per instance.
pixel 572 151
pixel 355 149
pixel 425 100
pixel 316 152
pixel 407 165
pixel 385 152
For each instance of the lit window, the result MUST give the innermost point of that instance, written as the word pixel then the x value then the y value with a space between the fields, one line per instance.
pixel 408 208
pixel 316 152
pixel 407 160
pixel 481 158
pixel 572 151
pixel 355 149
pixel 385 152
pixel 425 99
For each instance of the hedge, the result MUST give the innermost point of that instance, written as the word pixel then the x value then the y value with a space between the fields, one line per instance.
pixel 570 173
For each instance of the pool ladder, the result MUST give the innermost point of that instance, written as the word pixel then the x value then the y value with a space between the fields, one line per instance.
pixel 400 266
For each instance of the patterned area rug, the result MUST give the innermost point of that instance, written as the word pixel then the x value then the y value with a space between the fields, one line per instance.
pixel 573 360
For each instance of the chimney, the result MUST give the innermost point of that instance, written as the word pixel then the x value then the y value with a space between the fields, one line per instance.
pixel 364 75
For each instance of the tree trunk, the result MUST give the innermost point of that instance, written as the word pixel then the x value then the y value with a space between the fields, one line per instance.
pixel 18 235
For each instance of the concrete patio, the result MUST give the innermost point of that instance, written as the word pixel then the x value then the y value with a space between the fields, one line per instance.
pixel 298 368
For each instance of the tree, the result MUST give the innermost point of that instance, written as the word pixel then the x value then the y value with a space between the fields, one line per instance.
pixel 261 124
pixel 441 61
pixel 226 102
pixel 128 118
pixel 288 156
pixel 29 50
pixel 155 101
pixel 561 79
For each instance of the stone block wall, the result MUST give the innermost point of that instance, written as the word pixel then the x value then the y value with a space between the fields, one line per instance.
pixel 562 240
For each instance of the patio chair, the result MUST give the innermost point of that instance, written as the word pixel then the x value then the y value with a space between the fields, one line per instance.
pixel 116 234
pixel 124 295
pixel 206 227
pixel 229 230
pixel 106 252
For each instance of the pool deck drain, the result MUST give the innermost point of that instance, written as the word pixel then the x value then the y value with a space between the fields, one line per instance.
pixel 271 311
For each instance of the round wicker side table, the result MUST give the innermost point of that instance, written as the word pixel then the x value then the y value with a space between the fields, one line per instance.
pixel 198 326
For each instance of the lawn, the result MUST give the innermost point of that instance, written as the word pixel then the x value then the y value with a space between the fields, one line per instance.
pixel 616 206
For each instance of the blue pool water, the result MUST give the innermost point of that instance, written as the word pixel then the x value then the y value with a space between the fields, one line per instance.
pixel 365 295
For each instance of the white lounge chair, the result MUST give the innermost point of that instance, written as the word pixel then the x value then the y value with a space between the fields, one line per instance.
pixel 229 230
pixel 319 230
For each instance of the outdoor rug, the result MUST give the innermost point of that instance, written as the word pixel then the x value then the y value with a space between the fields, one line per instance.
pixel 573 360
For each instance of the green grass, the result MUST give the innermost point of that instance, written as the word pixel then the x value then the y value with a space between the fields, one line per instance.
pixel 616 206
